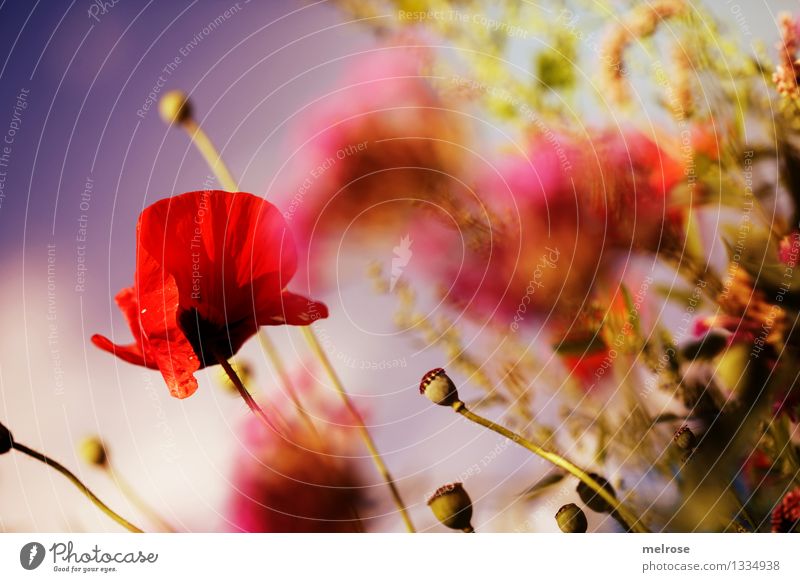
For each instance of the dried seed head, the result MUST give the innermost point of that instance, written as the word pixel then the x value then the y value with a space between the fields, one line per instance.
pixel 452 506
pixel 685 439
pixel 571 519
pixel 437 386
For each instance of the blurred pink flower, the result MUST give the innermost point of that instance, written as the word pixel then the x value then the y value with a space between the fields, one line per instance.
pixel 786 516
pixel 789 248
pixel 373 152
pixel 302 481
pixel 567 207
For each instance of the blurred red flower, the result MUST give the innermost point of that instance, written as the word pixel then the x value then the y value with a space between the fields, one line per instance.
pixel 211 267
pixel 298 481
pixel 786 516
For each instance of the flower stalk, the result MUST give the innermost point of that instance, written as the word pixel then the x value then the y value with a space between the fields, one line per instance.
pixel 631 520
pixel 206 148
pixel 78 483
pixel 272 353
pixel 319 352
pixel 142 505
pixel 94 451
pixel 176 108
pixel 179 111
pixel 245 394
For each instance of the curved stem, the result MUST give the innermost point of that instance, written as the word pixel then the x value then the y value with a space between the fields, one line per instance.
pixel 129 492
pixel 79 484
pixel 206 148
pixel 246 396
pixel 316 347
pixel 272 353
pixel 630 519
pixel 217 165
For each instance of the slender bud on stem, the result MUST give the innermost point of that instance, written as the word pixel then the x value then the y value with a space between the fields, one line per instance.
pixel 626 516
pixel 572 519
pixel 452 506
pixel 93 450
pixel 41 457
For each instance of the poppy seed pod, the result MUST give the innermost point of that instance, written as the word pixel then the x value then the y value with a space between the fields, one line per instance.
pixel 6 440
pixel 437 387
pixel 590 497
pixel 571 519
pixel 175 107
pixel 452 506
pixel 93 451
pixel 685 439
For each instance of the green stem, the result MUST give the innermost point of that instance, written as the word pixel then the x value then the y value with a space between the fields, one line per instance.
pixel 630 519
pixel 245 394
pixel 206 148
pixel 129 492
pixel 211 155
pixel 272 353
pixel 316 347
pixel 79 484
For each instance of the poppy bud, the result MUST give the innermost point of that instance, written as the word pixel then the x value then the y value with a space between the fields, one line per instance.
pixel 93 451
pixel 685 439
pixel 6 440
pixel 175 107
pixel 571 519
pixel 452 506
pixel 437 386
pixel 590 497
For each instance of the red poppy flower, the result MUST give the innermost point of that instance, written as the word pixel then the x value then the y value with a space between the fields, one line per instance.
pixel 211 267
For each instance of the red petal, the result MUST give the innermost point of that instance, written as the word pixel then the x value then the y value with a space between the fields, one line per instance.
pixel 134 353
pixel 291 309
pixel 224 257
pixel 131 353
pixel 216 245
pixel 166 342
